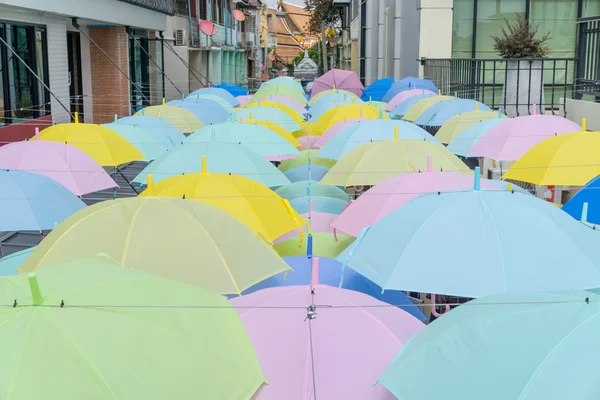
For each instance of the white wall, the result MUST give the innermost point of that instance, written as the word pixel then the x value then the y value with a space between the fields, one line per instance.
pixel 435 31
pixel 579 109
pixel 177 71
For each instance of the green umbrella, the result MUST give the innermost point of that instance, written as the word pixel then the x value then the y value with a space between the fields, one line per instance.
pixel 283 81
pixel 324 245
pixel 301 189
pixel 302 159
pixel 92 329
pixel 279 90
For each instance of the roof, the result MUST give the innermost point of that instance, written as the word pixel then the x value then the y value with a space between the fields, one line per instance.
pixel 301 21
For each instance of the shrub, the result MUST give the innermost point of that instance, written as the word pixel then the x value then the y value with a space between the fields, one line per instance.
pixel 519 40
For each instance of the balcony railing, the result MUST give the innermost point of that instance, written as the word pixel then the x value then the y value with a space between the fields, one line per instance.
pixel 162 6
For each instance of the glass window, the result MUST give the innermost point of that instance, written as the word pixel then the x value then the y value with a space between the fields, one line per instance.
pixel 559 18
pixel 462 29
pixel 591 8
pixel 490 21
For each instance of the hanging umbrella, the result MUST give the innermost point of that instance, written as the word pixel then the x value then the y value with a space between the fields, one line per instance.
pixel 401 109
pixel 343 113
pixel 374 130
pixel 441 112
pixel 376 90
pixel 335 129
pixel 233 89
pixel 61 162
pixel 244 100
pixel 306 172
pixel 377 104
pixel 409 84
pixel 106 147
pixel 182 240
pixel 159 127
pixel 338 79
pixel 375 162
pixel 215 99
pixel 256 137
pixel 223 158
pixel 589 194
pixel 213 91
pixel 207 111
pixel 331 95
pixel 317 222
pixel 407 94
pixel 323 244
pixel 283 81
pixel 183 119
pixel 545 345
pixel 457 124
pixel 319 109
pixel 308 142
pixel 288 110
pixel 284 133
pixel 280 90
pixel 33 202
pixel 294 104
pixel 91 329
pixel 149 144
pixel 267 114
pixel 462 143
pixel 476 243
pixel 319 204
pixel 511 140
pixel 10 263
pixel 310 188
pixel 306 157
pixel 296 350
pixel 421 105
pixel 257 206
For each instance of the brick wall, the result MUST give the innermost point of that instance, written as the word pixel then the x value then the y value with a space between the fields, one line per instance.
pixel 110 89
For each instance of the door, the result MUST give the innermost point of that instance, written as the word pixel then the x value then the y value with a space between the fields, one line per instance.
pixel 139 72
pixel 74 78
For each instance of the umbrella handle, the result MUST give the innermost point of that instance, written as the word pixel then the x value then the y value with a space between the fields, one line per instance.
pixel 433 311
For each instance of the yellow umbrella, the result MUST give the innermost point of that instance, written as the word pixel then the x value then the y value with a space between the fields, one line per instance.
pixel 105 146
pixel 374 162
pixel 343 113
pixel 324 93
pixel 420 106
pixel 455 125
pixel 184 120
pixel 280 106
pixel 284 133
pixel 570 159
pixel 188 241
pixel 257 206
pixel 324 245
pixel 302 159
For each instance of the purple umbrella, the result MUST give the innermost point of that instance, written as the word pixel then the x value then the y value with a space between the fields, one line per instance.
pixel 338 79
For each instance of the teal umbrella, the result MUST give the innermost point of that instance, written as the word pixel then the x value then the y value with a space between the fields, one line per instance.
pixel 310 188
pixel 463 142
pixel 282 80
pixel 201 98
pixel 10 263
pixel 322 204
pixel 268 114
pixel 527 347
pixel 150 143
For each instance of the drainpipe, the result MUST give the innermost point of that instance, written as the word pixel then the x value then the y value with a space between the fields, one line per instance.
pixel 386 30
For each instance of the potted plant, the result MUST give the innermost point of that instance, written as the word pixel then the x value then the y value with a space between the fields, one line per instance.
pixel 524 85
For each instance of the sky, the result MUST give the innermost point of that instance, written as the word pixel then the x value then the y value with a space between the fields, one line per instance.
pixel 273 3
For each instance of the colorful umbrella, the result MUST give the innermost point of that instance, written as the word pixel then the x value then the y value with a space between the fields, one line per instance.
pixel 213 91
pixel 306 172
pixel 147 142
pixel 288 110
pixel 234 90
pixel 280 90
pixel 11 263
pixel 401 109
pixel 318 221
pixel 338 79
pixel 296 105
pixel 306 157
pixel 421 105
pixel 188 241
pixel 223 158
pixel 407 94
pixel 476 243
pixel 321 107
pixel 91 329
pixel 184 120
pixel 441 112
pixel 284 81
pixel 408 84
pixel 310 188
pixel 308 142
pixel 207 111
pixel 462 143
pixel 284 133
pixel 372 163
pixel 322 244
pixel 296 350
pixel 545 345
pixel 377 104
pixel 244 100
pixel 267 114
pixel 331 95
pixel 318 203
pixel 589 194
pixel 216 99
pixel 61 162
pixel 335 129
pixel 156 125
pixel 376 90
pixel 457 124
pixel 343 113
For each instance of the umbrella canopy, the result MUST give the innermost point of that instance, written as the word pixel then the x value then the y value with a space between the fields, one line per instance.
pixel 273 115
pixel 486 242
pixel 257 206
pixel 147 142
pixel 306 172
pixel 326 101
pixel 234 90
pixel 375 162
pixel 462 143
pixel 510 140
pixel 457 124
pixel 183 119
pixel 374 130
pixel 376 90
pixel 283 81
pixel 335 129
pixel 306 157
pixel 329 274
pixel 34 202
pixel 319 204
pixel 323 244
pixel 223 158
pixel 332 95
pixel 284 133
pixel 280 90
pixel 244 100
pixel 589 194
pixel 421 105
pixel 256 137
pixel 570 159
pixel 298 369
pixel 219 92
pixel 68 317
pixel 338 79
pixel 61 162
pixel 106 147
pixel 404 95
pixel 402 108
pixel 441 112
pixel 159 127
pixel 310 188
pixel 343 113
pixel 296 105
pixel 207 111
pixel 188 241
pixel 319 222
pixel 10 263
pixel 215 99
pixel 288 110
pixel 545 333
pixel 320 108
pixel 308 142
pixel 377 104
pixel 409 83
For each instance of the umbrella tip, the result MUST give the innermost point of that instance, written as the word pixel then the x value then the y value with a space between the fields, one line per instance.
pixel 34 286
pixel 477 178
pixel 76 116
pixel 37 133
pixel 583 125
pixel 164 101
pixel 149 184
pixel 203 164
pixel 584 212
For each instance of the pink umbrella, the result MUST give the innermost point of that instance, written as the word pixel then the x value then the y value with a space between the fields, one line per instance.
pixel 319 222
pixel 243 100
pixel 400 97
pixel 337 350
pixel 338 79
pixel 335 129
pixel 295 104
pixel 62 162
pixel 396 191
pixel 308 142
pixel 512 138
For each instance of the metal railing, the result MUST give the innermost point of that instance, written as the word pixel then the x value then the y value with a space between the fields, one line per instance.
pixel 162 6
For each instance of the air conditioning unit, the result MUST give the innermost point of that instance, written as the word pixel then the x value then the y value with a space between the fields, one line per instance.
pixel 495 174
pixel 180 37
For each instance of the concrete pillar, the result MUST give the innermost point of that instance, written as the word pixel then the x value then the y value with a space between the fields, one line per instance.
pixel 435 36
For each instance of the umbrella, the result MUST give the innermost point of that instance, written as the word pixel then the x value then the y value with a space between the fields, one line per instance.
pixel 106 147
pixel 244 100
pixel 306 172
pixel 256 137
pixel 188 241
pixel 213 91
pixel 183 119
pixel 222 158
pixel 215 99
pixel 343 113
pixel 310 188
pixel 375 162
pixel 308 142
pixel 421 105
pixel 320 108
pixel 296 105
pixel 570 159
pixel 61 162
pixel 589 194
pixel 284 133
pixel 513 138
pixel 10 263
pixel 288 110
pixel 402 108
pixel 331 95
pixel 335 129
pixel 322 244
pixel 306 157
pixel 476 243
pixel 338 79
pixel 440 113
pixel 232 89
pixel 257 206
pixel 156 125
pixel 319 222
pixel 376 90
pixel 207 111
pixel 147 142
pixel 374 130
pixel 545 345
pixel 462 143
pixel 295 347
pixel 407 94
pixel 280 90
pixel 324 204
pixel 329 274
pixel 91 329
pixel 377 104
pixel 408 84
pixel 395 192
pixel 457 124
pixel 33 202
pixel 284 81
pixel 267 114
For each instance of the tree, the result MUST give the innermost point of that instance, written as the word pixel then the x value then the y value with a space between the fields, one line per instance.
pixel 322 14
pixel 313 53
pixel 520 40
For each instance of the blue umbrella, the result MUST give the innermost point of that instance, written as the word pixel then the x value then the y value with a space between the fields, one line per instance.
pixel 463 142
pixel 439 113
pixel 329 274
pixel 476 243
pixel 33 202
pixel 317 172
pixel 590 194
pixel 402 108
pixel 156 125
pixel 311 188
pixel 407 84
pixel 320 204
pixel 318 110
pixel 148 141
pixel 333 97
pixel 206 111
pixel 10 263
pixel 376 90
pixel 268 114
pixel 233 89
pixel 222 93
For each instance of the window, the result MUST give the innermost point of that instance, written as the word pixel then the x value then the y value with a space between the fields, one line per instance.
pixel 462 29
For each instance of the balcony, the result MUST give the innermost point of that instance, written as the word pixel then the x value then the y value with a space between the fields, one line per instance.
pixel 161 6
